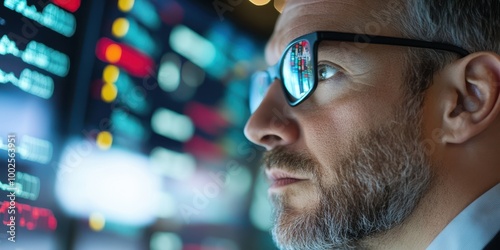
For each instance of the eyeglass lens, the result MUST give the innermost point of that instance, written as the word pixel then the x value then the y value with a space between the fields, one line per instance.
pixel 298 76
pixel 297 71
pixel 259 84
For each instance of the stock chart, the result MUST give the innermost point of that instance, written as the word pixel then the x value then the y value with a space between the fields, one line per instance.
pixel 121 126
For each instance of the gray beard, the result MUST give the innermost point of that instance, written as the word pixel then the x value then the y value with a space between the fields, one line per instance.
pixel 379 182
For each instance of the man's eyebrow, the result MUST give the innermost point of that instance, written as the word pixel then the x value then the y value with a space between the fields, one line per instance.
pixel 343 51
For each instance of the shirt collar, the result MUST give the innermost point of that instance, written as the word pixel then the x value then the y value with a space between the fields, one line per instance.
pixel 474 227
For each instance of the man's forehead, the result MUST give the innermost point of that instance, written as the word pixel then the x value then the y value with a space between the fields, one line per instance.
pixel 301 17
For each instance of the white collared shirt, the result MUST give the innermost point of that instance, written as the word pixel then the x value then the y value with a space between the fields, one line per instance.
pixel 474 227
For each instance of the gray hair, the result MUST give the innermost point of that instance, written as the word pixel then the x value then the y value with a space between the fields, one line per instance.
pixel 472 25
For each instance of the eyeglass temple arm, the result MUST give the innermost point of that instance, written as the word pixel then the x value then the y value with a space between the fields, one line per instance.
pixel 363 38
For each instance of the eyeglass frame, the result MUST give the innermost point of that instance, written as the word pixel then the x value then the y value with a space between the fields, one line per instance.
pixel 276 71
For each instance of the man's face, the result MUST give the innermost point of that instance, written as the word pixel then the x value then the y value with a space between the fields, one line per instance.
pixel 354 144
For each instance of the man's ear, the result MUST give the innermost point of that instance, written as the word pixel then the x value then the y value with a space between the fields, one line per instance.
pixel 475 102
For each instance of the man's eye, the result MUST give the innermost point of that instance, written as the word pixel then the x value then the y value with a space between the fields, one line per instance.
pixel 326 71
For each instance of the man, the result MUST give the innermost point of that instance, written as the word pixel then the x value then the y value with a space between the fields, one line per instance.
pixel 376 142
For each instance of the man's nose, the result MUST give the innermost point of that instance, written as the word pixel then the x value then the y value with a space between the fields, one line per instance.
pixel 271 125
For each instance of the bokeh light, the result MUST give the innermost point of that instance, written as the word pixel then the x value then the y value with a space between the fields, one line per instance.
pixel 125 5
pixel 279 5
pixel 165 241
pixel 193 46
pixel 110 74
pixel 97 222
pixel 109 92
pixel 169 75
pixel 90 180
pixel 104 140
pixel 120 27
pixel 260 2
pixel 192 75
pixel 113 53
pixel 179 166
pixel 172 125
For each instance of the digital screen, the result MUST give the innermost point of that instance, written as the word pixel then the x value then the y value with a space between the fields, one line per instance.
pixel 122 125
pixel 38 50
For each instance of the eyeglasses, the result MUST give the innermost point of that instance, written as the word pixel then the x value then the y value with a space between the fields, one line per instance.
pixel 297 69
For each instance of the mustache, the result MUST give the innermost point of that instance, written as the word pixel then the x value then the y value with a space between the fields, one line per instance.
pixel 280 158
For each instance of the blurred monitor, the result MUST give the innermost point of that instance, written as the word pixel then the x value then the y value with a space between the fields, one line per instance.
pixel 121 125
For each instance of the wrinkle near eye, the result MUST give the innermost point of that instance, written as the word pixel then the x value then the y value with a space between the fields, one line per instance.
pixel 359 82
